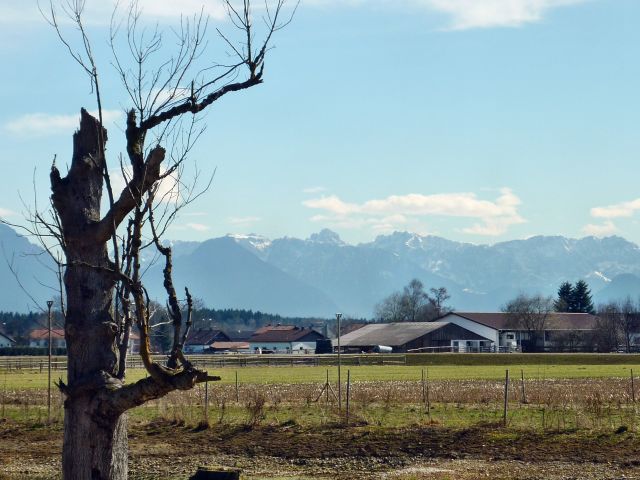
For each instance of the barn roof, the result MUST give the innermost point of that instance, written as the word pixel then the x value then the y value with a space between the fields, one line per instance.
pixel 555 321
pixel 230 345
pixel 39 333
pixel 389 334
pixel 206 337
pixel 286 335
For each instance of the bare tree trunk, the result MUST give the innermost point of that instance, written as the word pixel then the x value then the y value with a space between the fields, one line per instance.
pixel 93 450
pixel 95 442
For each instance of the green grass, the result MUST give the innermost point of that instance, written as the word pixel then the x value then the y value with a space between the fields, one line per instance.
pixel 23 379
pixel 502 359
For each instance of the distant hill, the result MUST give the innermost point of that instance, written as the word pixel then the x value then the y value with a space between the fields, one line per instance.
pixel 32 277
pixel 621 287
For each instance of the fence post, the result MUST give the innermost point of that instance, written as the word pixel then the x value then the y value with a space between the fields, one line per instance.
pixel 348 393
pixel 524 395
pixel 506 397
pixel 633 389
pixel 206 401
pixel 237 390
pixel 327 385
pixel 424 391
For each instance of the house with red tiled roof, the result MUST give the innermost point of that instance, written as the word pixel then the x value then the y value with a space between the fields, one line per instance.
pixel 284 339
pixel 40 338
pixel 507 334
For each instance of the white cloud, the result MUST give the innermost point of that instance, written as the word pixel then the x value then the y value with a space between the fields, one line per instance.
pixel 607 228
pixel 198 227
pixel 243 220
pixel 466 14
pixel 399 210
pixel 624 209
pixel 5 212
pixel 168 191
pixel 42 124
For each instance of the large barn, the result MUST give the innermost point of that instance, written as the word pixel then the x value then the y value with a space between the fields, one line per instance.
pixel 507 334
pixel 413 336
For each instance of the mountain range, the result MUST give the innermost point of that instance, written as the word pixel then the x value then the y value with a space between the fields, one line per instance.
pixel 322 274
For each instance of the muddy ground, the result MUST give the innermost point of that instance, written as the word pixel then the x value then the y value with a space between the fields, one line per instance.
pixel 288 451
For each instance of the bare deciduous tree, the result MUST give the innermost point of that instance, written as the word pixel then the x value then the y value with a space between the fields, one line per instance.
pixel 101 251
pixel 413 304
pixel 530 313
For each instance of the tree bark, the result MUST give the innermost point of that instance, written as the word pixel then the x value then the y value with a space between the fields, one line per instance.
pixel 95 442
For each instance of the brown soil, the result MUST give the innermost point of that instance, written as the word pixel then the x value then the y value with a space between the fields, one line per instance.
pixel 165 450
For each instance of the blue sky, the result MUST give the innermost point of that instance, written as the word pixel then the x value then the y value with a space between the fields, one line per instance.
pixel 476 120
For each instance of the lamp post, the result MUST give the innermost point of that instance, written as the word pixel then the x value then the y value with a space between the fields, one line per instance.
pixel 338 317
pixel 49 305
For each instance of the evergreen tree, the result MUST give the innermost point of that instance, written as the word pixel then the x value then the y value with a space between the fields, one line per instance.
pixel 581 301
pixel 565 298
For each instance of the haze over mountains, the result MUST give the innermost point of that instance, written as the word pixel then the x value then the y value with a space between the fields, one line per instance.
pixel 322 275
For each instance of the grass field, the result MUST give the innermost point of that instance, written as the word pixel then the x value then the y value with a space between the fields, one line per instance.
pixel 578 408
pixel 286 374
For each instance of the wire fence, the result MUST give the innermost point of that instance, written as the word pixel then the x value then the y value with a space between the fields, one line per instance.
pixel 216 361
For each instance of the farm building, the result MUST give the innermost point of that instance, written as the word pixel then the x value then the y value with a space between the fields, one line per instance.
pixel 508 334
pixel 412 336
pixel 284 339
pixel 40 338
pixel 229 347
pixel 6 340
pixel 202 339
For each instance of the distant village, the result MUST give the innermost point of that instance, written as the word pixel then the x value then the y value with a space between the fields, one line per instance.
pixel 408 321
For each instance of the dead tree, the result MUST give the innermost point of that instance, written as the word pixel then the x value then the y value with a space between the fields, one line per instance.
pixel 103 277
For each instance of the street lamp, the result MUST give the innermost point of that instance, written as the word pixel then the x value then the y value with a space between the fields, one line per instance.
pixel 338 317
pixel 49 305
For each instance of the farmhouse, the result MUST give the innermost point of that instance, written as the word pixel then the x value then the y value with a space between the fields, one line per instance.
pixel 507 334
pixel 40 338
pixel 284 339
pixel 413 336
pixel 202 339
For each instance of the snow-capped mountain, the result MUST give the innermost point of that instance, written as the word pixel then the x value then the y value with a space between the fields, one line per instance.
pixel 323 274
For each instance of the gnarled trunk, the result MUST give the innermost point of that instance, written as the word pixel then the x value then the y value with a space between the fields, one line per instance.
pixel 95 439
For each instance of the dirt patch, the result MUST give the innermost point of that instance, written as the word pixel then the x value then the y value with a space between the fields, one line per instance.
pixel 163 449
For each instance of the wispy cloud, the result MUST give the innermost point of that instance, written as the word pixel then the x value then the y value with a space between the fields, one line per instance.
pixel 173 9
pixel 243 220
pixel 609 212
pixel 5 212
pixel 198 227
pixel 317 189
pixel 395 211
pixel 467 14
pixel 624 209
pixel 43 124
pixel 601 230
